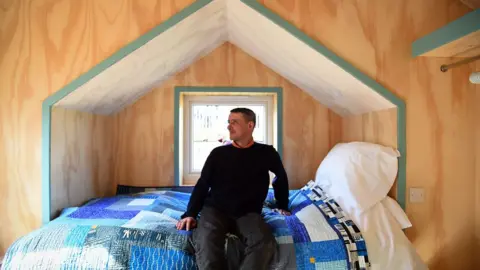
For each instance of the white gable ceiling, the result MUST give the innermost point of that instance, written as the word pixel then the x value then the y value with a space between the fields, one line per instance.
pixel 174 49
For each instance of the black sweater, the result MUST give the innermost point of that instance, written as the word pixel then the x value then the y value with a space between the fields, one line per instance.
pixel 236 181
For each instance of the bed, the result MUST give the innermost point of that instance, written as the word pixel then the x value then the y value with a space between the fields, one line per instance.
pixel 137 231
pixel 329 229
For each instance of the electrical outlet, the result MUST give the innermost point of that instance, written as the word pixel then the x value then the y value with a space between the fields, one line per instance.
pixel 417 195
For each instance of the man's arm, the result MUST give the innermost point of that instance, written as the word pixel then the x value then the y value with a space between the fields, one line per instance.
pixel 200 191
pixel 280 185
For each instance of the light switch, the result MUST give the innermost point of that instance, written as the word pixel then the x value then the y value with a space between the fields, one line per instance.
pixel 417 195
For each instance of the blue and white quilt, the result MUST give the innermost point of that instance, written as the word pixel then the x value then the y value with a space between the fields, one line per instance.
pixel 138 232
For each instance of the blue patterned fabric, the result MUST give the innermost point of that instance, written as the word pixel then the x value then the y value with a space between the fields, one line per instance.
pixel 137 231
pixel 318 234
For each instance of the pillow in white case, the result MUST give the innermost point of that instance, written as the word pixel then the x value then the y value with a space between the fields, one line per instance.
pixel 397 212
pixel 358 174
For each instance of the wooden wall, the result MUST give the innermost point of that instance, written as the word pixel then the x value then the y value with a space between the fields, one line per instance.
pixel 46 44
pixel 376 127
pixel 143 133
pixel 81 158
pixel 439 133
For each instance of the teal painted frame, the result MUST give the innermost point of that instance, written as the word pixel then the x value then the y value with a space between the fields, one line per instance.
pixel 129 48
pixel 72 86
pixel 221 89
pixel 401 108
pixel 456 29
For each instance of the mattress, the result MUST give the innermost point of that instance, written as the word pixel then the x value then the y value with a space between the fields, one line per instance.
pixel 137 231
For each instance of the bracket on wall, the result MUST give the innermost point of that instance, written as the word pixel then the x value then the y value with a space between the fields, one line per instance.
pixel 445 68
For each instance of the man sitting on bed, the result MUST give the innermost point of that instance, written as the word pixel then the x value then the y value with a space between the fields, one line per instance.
pixel 230 193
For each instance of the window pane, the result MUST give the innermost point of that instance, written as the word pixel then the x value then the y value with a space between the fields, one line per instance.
pixel 209 129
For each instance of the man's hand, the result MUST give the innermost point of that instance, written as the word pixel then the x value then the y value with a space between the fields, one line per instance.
pixel 189 222
pixel 283 212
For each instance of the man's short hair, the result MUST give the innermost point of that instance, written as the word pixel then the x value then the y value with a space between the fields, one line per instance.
pixel 247 113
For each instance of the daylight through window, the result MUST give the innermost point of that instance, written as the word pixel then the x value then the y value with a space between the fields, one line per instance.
pixel 205 126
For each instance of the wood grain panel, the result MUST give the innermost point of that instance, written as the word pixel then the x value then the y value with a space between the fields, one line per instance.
pixel 376 127
pixel 143 141
pixel 323 142
pixel 81 158
pixel 144 131
pixel 439 141
pixel 442 160
pixel 44 45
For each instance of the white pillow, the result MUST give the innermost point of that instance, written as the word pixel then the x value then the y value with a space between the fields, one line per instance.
pixel 397 212
pixel 387 245
pixel 358 174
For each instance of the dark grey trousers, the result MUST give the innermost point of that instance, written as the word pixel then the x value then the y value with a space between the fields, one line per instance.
pixel 256 248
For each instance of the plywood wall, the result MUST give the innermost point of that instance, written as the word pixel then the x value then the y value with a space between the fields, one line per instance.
pixel 375 127
pixel 143 133
pixel 81 158
pixel 439 133
pixel 143 141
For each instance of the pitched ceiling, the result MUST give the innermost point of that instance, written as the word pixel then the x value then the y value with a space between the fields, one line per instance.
pixel 168 49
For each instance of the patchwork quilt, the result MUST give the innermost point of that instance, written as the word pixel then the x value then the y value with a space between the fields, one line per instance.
pixel 137 231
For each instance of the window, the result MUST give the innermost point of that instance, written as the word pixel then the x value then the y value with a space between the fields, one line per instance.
pixel 205 126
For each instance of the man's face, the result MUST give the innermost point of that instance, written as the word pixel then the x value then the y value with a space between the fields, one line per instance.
pixel 239 127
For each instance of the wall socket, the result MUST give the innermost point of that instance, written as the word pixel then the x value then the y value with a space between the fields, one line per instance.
pixel 417 195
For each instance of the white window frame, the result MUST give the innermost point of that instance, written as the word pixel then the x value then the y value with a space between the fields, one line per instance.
pixel 189 177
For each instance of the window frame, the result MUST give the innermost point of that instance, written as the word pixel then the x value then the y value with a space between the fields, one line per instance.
pixel 267 101
pixel 181 91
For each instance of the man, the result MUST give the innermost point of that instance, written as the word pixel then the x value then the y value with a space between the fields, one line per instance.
pixel 230 193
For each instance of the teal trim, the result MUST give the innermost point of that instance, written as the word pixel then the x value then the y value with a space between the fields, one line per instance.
pixel 176 134
pixel 221 89
pixel 82 79
pixel 46 143
pixel 401 125
pixel 456 29
pixel 402 161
